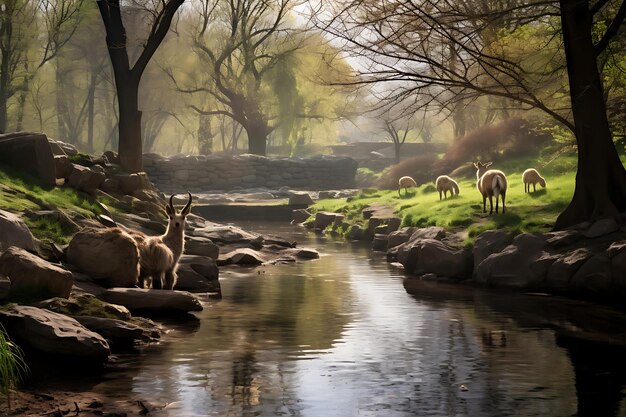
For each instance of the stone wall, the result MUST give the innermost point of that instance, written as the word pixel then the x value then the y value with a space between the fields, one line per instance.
pixel 210 172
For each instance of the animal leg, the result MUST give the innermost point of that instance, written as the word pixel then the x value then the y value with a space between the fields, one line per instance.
pixel 399 195
pixel 503 196
pixel 525 187
pixel 534 187
pixel 490 204
pixel 439 195
pixel 497 199
pixel 158 279
pixel 170 280
pixel 484 204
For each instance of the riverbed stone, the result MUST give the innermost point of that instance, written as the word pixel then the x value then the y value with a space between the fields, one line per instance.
pixel 242 256
pixel 299 216
pixel 109 255
pixel 565 266
pixel 82 304
pixel 323 219
pixel 424 256
pixel 489 242
pixel 197 274
pixel 300 198
pixel 53 333
pixel 163 301
pixel 117 333
pixel 32 277
pixel 201 247
pixel 14 232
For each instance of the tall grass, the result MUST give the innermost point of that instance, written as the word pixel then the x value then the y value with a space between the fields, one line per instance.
pixel 12 366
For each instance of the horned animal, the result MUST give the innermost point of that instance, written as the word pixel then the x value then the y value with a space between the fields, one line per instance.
pixel 531 176
pixel 159 255
pixel 445 184
pixel 490 183
pixel 405 182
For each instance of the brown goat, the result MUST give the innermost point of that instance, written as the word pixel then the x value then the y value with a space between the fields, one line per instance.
pixel 491 183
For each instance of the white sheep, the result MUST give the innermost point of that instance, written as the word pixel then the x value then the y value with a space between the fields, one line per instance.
pixel 490 183
pixel 405 182
pixel 159 255
pixel 445 184
pixel 531 176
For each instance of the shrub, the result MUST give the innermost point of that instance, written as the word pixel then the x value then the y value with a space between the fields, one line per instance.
pixel 12 365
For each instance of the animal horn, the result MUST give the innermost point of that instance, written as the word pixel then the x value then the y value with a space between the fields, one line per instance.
pixel 186 208
pixel 172 203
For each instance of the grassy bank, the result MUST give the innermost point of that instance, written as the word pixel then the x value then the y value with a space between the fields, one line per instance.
pixel 534 212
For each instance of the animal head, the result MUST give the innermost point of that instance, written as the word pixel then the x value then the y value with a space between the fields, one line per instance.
pixel 177 220
pixel 542 181
pixel 481 168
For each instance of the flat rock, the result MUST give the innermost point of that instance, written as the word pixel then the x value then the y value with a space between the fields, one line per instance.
pixel 117 332
pixel 299 216
pixel 197 274
pixel 166 301
pixel 242 256
pixel 300 198
pixel 201 246
pixel 32 277
pixel 53 333
pixel 14 232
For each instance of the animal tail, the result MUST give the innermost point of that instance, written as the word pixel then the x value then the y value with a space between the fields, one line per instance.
pixel 496 185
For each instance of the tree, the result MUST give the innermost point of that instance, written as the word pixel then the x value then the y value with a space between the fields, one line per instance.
pixel 127 77
pixel 397 136
pixel 403 45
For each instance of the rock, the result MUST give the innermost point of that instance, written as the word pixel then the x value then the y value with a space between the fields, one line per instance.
pixel 83 304
pixel 324 195
pixel 601 227
pixel 305 253
pixel 118 333
pixel 299 216
pixel 106 220
pixel 594 275
pixel 84 179
pixel 130 183
pixel 53 333
pixel 489 242
pixel 201 246
pixel 616 248
pixel 380 242
pixel 112 157
pixel 522 264
pixel 323 220
pixel 32 277
pixel 224 234
pixel 62 166
pixel 148 195
pixel 5 287
pixel 393 224
pixel 242 256
pixel 565 266
pixel 197 274
pixel 563 238
pixel 56 148
pixel 399 237
pixel 433 232
pixel 356 232
pixel 30 153
pixel 110 185
pixel 14 232
pixel 166 301
pixel 430 256
pixel 57 216
pixel 68 148
pixel 109 255
pixel 300 199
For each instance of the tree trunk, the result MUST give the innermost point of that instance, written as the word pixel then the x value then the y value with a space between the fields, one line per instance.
pixel 257 137
pixel 130 149
pixel 601 179
pixel 91 98
pixel 396 146
pixel 4 91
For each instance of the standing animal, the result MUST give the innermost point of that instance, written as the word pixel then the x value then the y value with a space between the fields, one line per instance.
pixel 445 184
pixel 531 176
pixel 490 183
pixel 159 255
pixel 405 182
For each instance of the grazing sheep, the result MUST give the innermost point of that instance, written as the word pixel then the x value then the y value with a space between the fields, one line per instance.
pixel 445 184
pixel 405 182
pixel 531 176
pixel 159 255
pixel 490 183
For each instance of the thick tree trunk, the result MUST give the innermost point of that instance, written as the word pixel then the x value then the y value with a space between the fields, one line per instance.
pixel 91 99
pixel 601 179
pixel 396 147
pixel 4 91
pixel 257 137
pixel 130 146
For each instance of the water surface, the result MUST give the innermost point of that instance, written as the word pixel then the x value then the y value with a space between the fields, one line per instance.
pixel 340 336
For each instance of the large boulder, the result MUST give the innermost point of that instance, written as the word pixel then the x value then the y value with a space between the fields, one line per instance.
pixel 30 153
pixel 300 198
pixel 489 242
pixel 201 247
pixel 163 301
pixel 14 232
pixel 430 256
pixel 32 277
pixel 197 274
pixel 53 333
pixel 85 179
pixel 109 255
pixel 118 334
pixel 522 264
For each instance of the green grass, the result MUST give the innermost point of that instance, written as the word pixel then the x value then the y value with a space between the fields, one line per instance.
pixel 535 212
pixel 12 366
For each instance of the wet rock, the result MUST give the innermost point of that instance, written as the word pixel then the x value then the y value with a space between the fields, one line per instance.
pixel 323 220
pixel 601 227
pixel 305 253
pixel 594 275
pixel 400 236
pixel 489 242
pixel 109 255
pixel 242 256
pixel 565 266
pixel 523 264
pixel 426 256
pixel 164 301
pixel 30 153
pixel 380 242
pixel 117 333
pixel 298 198
pixel 32 277
pixel 356 232
pixel 202 247
pixel 53 333
pixel 85 305
pixel 224 234
pixel 197 274
pixel 14 232
pixel 299 216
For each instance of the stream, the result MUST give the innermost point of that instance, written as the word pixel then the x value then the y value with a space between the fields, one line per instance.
pixel 341 336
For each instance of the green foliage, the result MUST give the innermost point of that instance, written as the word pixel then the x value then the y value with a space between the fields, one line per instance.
pixel 12 366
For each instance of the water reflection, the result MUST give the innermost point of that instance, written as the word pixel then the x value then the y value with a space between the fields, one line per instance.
pixel 341 336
